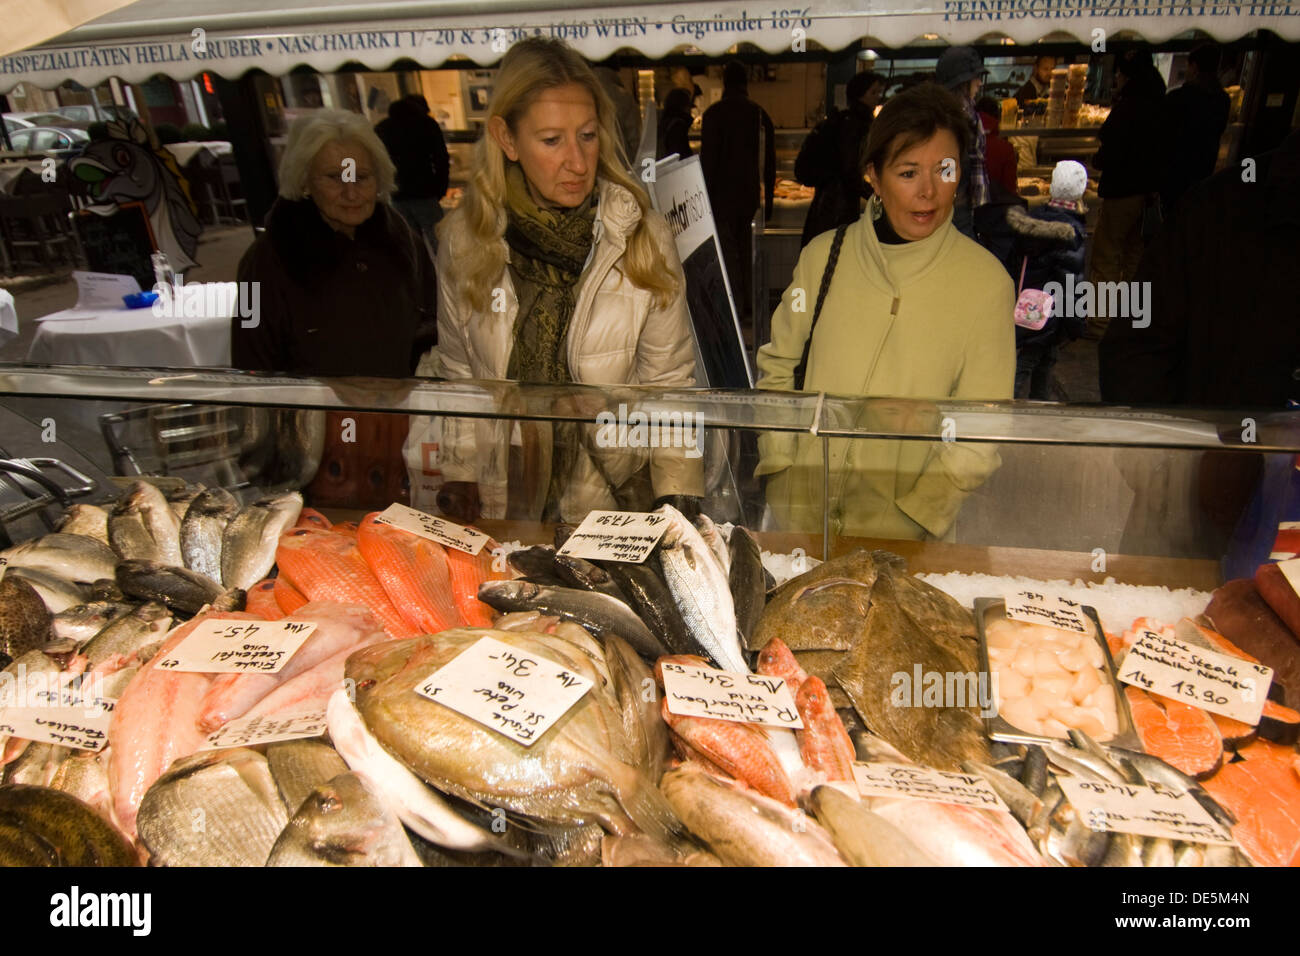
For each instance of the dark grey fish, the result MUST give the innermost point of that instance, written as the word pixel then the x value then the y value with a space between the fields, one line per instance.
pixel 24 619
pixel 648 595
pixel 106 589
pixel 40 826
pixel 537 564
pixel 598 613
pixel 584 575
pixel 202 529
pixel 1034 775
pixel 57 592
pixel 138 634
pixel 746 580
pixel 178 588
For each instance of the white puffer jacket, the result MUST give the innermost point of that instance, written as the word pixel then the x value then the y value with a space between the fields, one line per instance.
pixel 615 337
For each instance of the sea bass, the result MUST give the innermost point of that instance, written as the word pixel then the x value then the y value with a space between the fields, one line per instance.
pixel 343 822
pixel 699 587
pixel 202 529
pixel 250 540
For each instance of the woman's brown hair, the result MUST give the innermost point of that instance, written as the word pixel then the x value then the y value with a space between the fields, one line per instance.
pixel 912 117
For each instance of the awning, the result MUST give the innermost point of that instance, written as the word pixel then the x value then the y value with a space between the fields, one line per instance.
pixel 29 22
pixel 231 37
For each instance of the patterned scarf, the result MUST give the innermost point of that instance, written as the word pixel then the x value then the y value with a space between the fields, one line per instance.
pixel 978 187
pixel 548 250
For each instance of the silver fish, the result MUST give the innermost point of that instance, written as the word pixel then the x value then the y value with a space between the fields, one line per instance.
pixel 37 765
pixel 343 822
pixel 136 635
pixel 84 621
pixel 862 837
pixel 72 556
pixel 599 613
pixel 90 520
pixel 249 541
pixel 202 529
pixel 57 592
pixel 143 508
pixel 300 766
pixel 699 587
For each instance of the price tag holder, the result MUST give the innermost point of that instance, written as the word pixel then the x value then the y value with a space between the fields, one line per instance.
pixel 626 536
pixel 693 691
pixel 1036 607
pixel 247 731
pixel 514 692
pixel 1211 681
pixel 444 532
pixel 1291 571
pixel 238 647
pixel 1147 811
pixel 922 783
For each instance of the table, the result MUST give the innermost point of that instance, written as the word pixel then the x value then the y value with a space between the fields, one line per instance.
pixel 185 152
pixel 135 337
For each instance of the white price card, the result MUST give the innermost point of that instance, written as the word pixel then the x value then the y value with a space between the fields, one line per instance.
pixel 238 647
pixel 1207 679
pixel 627 536
pixel 65 709
pixel 693 691
pixel 447 533
pixel 512 691
pixel 1036 607
pixel 922 783
pixel 1147 811
pixel 247 731
pixel 1291 571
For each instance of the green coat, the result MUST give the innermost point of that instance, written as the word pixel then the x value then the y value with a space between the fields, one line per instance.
pixel 930 319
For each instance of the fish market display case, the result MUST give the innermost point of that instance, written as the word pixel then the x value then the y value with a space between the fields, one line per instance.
pixel 1138 513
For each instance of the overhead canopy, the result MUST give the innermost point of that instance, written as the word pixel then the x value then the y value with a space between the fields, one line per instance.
pixel 29 22
pixel 231 37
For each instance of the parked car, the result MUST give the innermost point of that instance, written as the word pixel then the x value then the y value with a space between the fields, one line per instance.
pixel 87 114
pixel 52 119
pixel 16 122
pixel 50 140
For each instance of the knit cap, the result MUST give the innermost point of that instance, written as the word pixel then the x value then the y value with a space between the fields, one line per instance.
pixel 1069 180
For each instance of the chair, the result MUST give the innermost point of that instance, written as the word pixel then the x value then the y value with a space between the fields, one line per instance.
pixel 38 225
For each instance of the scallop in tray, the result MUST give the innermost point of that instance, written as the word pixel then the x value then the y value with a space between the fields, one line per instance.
pixel 1047 681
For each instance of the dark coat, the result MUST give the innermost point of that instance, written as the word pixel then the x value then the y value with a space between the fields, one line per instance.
pixel 1193 118
pixel 1130 139
pixel 730 158
pixel 418 149
pixel 837 175
pixel 1223 326
pixel 330 305
pixel 1051 243
pixel 675 134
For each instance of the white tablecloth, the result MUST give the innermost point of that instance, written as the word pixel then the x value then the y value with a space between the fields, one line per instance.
pixel 131 337
pixel 184 152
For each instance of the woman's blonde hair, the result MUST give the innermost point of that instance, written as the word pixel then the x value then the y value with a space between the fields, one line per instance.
pixel 311 131
pixel 531 67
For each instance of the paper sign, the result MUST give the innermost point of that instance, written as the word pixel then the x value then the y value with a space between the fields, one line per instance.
pixel 694 691
pixel 922 783
pixel 627 536
pixel 247 731
pixel 1209 680
pixel 435 529
pixel 1035 607
pixel 1147 811
pixel 103 290
pixel 514 692
pixel 1291 570
pixel 63 712
pixel 238 647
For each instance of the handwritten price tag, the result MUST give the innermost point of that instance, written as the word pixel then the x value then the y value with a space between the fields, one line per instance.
pixel 1034 607
pixel 238 647
pixel 514 692
pixel 1210 680
pixel 693 691
pixel 247 731
pixel 63 713
pixel 627 536
pixel 1291 571
pixel 435 529
pixel 1147 811
pixel 922 783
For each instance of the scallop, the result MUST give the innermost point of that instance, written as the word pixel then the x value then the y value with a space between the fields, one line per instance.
pixel 1085 682
pixel 1043 701
pixel 1109 720
pixel 1090 722
pixel 1000 635
pixel 1054 728
pixel 1024 662
pixel 1091 648
pixel 1100 699
pixel 1011 684
pixel 1046 663
pixel 1019 713
pixel 1058 685
pixel 1075 660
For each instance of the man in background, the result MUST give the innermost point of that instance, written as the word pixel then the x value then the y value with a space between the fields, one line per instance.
pixel 1193 118
pixel 416 146
pixel 1039 82
pixel 734 165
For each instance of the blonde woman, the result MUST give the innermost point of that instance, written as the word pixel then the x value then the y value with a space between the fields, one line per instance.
pixel 345 287
pixel 554 269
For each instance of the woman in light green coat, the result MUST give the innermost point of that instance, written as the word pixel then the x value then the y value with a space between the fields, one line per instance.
pixel 913 310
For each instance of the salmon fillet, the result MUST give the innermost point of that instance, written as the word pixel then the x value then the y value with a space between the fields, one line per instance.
pixel 1179 734
pixel 1263 792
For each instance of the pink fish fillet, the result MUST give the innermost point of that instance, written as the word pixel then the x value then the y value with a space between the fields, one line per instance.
pixel 156 722
pixel 338 626
pixel 311 689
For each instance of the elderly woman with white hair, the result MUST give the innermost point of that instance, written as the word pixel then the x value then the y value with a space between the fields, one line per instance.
pixel 346 287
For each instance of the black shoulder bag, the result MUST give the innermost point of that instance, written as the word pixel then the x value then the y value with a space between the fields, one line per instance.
pixel 801 370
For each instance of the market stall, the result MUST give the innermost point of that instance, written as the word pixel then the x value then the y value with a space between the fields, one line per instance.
pixel 622 602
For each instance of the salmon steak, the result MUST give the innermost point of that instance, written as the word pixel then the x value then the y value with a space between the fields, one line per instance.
pixel 1263 791
pixel 1183 736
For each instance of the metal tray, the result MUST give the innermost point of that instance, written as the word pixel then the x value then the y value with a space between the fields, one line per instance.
pixel 997 728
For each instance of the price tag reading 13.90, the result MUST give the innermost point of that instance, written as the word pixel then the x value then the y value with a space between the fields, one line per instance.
pixel 512 691
pixel 1211 681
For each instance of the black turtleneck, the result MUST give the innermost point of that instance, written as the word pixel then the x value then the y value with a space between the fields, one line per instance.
pixel 886 233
